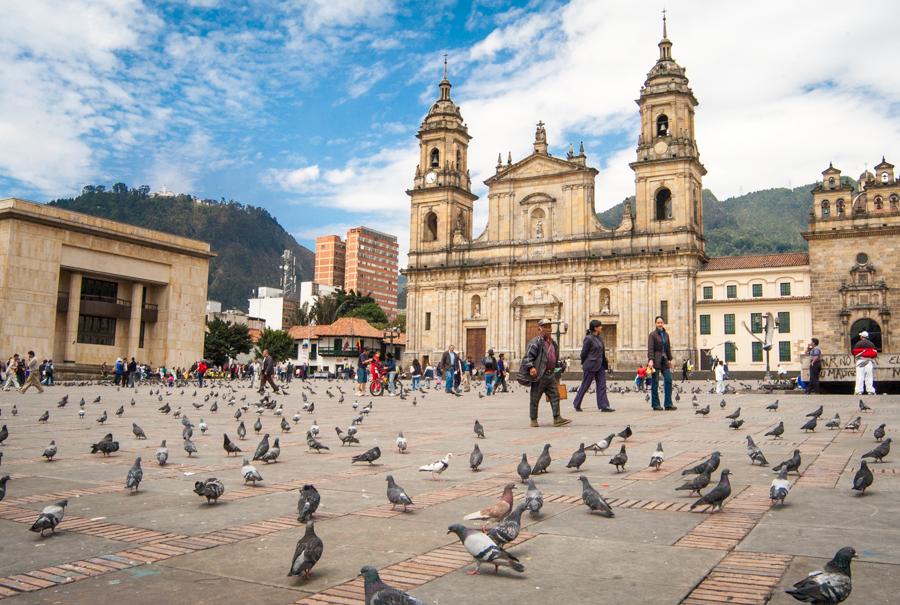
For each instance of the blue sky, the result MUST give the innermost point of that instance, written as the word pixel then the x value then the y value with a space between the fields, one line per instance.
pixel 309 108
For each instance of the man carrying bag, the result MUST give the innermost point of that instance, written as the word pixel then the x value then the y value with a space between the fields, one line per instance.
pixel 538 370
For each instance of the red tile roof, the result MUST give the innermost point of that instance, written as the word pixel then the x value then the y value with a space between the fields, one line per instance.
pixel 345 326
pixel 757 261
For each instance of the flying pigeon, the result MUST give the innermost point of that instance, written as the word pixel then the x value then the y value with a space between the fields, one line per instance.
pixel 593 499
pixel 708 466
pixel 792 464
pixel 863 478
pixel 695 485
pixel 50 517
pixel 273 453
pixel 262 448
pixel 483 549
pixel 878 433
pixel 524 469
pixel 878 454
pixel 229 446
pixel 314 444
pixel 308 503
pixel 542 462
pixel 396 495
pixel 777 432
pixel 702 411
pixel 657 458
pixel 734 415
pixel 834 423
pixel 369 456
pixel 249 472
pixel 626 432
pixel 715 498
pixel 401 443
pixel 620 459
pixel 853 425
pixel 755 453
pixel 479 430
pixel 578 458
pixel 498 510
pixel 307 553
pixel 780 487
pixel 379 593
pixel 828 586
pixel 162 453
pixel 50 451
pixel 135 474
pixel 602 445
pixel 438 467
pixel 810 424
pixel 211 489
pixel 534 498
pixel 475 458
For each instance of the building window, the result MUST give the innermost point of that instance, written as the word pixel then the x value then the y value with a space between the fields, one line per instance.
pixel 756 350
pixel 785 288
pixel 704 324
pixel 757 290
pixel 663 204
pixel 756 323
pixel 664 310
pixel 99 289
pixel 884 177
pixel 784 350
pixel 839 207
pixel 731 291
pixel 94 330
pixel 435 158
pixel 141 338
pixel 879 203
pixel 662 125
pixel 826 208
pixel 428 321
pixel 729 323
pixel 784 322
pixel 730 352
pixel 895 203
pixel 313 350
pixel 707 292
pixel 431 227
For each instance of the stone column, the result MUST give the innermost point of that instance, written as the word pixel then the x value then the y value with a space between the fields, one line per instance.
pixel 134 325
pixel 72 317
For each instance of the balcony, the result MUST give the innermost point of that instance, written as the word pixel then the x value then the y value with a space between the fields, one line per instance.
pixel 333 352
pixel 149 313
pixel 106 306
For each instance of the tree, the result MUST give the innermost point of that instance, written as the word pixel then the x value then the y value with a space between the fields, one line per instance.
pixel 88 189
pixel 144 190
pixel 302 315
pixel 120 188
pixel 279 343
pixel 224 341
pixel 372 313
pixel 400 321
pixel 324 312
pixel 349 301
pixel 100 188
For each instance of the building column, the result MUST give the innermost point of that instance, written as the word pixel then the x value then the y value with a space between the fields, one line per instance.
pixel 134 325
pixel 72 317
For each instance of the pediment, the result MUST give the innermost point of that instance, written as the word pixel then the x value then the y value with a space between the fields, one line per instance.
pixel 537 165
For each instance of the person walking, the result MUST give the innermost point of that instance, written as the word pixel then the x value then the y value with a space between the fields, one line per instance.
pixel 450 365
pixel 539 362
pixel 132 372
pixel 390 364
pixel 201 372
pixel 119 380
pixel 490 371
pixel 815 366
pixel 468 368
pixel 502 371
pixel 428 375
pixel 640 377
pixel 415 371
pixel 719 371
pixel 11 378
pixel 361 372
pixel 659 358
pixel 267 373
pixel 34 374
pixel 865 353
pixel 684 371
pixel 594 365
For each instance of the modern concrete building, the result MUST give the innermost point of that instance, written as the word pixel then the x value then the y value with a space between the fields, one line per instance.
pixel 372 267
pixel 233 316
pixel 331 253
pixel 85 290
pixel 277 310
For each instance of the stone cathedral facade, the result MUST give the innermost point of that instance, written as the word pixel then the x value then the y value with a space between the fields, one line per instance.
pixel 544 253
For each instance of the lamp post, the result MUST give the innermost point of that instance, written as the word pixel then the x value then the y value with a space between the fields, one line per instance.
pixel 391 333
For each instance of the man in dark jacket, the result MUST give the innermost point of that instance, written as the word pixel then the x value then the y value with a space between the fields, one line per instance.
pixel 541 357
pixel 593 364
pixel 451 364
pixel 659 357
pixel 268 371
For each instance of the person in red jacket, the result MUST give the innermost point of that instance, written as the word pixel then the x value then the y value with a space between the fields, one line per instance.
pixel 865 353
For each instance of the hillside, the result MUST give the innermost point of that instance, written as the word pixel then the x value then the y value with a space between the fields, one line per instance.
pixel 763 221
pixel 248 240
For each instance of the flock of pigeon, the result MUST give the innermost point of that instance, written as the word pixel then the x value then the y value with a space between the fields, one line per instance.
pixel 501 521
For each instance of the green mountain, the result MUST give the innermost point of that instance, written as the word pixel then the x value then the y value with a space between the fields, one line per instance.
pixel 247 239
pixel 761 222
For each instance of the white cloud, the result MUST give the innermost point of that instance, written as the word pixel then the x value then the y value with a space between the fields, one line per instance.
pixel 295 180
pixel 321 14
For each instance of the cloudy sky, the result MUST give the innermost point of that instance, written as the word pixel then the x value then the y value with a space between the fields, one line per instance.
pixel 309 107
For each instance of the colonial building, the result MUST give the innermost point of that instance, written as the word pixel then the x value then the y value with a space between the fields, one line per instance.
pixel 335 347
pixel 544 253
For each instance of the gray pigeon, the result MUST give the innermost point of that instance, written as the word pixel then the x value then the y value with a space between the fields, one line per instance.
pixel 369 456
pixel 483 549
pixel 273 453
pixel 50 451
pixel 379 593
pixel 44 417
pixel 780 487
pixel 657 458
pixel 249 472
pixel 241 430
pixel 736 424
pixel 479 430
pixel 524 469
pixel 593 499
pixel 578 458
pixel 715 498
pixel 756 455
pixel 777 432
pixel 695 485
pixel 542 462
pixel 396 495
pixel 50 517
pixel 601 445
pixel 308 552
pixel 878 433
pixel 228 444
pixel 863 478
pixel 620 459
pixel 534 498
pixel 162 453
pixel 704 411
pixel 135 474
pixel 262 448
pixel 829 586
pixel 734 415
pixel 708 466
pixel 138 431
pixel 4 433
pixel 810 424
pixel 508 529
pixel 189 447
pixel 308 503
pixel 3 481
pixel 773 406
pixel 792 464
pixel 475 458
pixel 834 423
pixel 853 425
pixel 211 489
pixel 878 454
pixel 816 412
pixel 314 444
pixel 257 426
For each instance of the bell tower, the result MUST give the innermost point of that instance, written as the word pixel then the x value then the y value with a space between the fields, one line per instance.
pixel 441 196
pixel 668 173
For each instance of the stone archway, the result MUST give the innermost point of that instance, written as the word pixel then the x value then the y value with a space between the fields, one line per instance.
pixel 869 325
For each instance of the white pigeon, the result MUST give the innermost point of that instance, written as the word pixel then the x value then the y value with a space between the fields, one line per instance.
pixel 602 445
pixel 81 414
pixel 279 411
pixel 780 487
pixel 296 417
pixel 438 467
pixel 203 426
pixel 658 456
pixel 355 405
pixel 401 443
pixel 314 429
pixel 162 453
pixel 250 473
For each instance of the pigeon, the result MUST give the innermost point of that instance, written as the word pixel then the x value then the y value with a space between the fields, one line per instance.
pixel 369 456
pixel 542 462
pixel 120 411
pixel 863 407
pixel 657 458
pixel 878 454
pixel 44 417
pixel 863 478
pixel 262 448
pixel 534 498
pixel 396 495
pixel 211 489
pixel 228 444
pixel 722 404
pixel 438 467
pixel 314 444
pixel 834 423
pixel 102 418
pixel 878 433
pixel 816 412
pixel 578 458
pixel 853 425
pixel 166 408
pixel 593 499
pixel 483 549
pixel 249 472
pixel 257 426
pixel 602 445
pixel 479 430
pixel 273 453
pixel 792 464
pixel 345 439
pixel 625 433
pixel 105 446
pixel 50 517
pixel 203 427
pixel 475 458
pixel 62 402
pixel 810 424
pixel 214 407
pixel 780 487
pixel 508 529
pixel 620 459
pixel 755 453
pixel 704 411
pixel 162 453
pixel 524 469
pixel 708 466
pixel 695 485
pixel 828 586
pixel 379 593
pixel 777 432
pixel 285 426
pixel 734 415
pixel 498 510
pixel 307 553
pixel 308 503
pixel 187 432
pixel 3 481
pixel 81 414
pixel 401 443
pixel 135 474
pixel 50 451
pixel 773 406
pixel 715 498
pixel 189 447
pixel 736 424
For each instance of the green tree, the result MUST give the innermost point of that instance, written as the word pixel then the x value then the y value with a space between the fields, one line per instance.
pixel 120 188
pixel 350 301
pixel 400 321
pixel 279 343
pixel 225 340
pixel 303 315
pixel 372 313
pixel 324 312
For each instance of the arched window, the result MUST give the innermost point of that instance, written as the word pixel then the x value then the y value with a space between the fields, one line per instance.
pixel 839 207
pixel 662 125
pixel 826 208
pixel 895 203
pixel 431 227
pixel 831 182
pixel 884 177
pixel 879 203
pixel 435 158
pixel 867 325
pixel 476 306
pixel 458 160
pixel 537 227
pixel 663 204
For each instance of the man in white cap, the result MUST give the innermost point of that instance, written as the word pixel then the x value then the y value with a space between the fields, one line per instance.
pixel 539 364
pixel 865 353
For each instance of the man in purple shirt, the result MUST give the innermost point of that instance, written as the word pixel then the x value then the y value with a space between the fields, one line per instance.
pixel 540 363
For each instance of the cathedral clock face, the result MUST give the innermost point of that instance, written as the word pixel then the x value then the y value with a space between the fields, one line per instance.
pixel 431 177
pixel 661 147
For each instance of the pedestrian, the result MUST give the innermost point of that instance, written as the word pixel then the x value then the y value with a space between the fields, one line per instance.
pixel 361 362
pixel 640 377
pixel 719 371
pixel 538 369
pixel 290 371
pixel 467 367
pixel 490 371
pixel 684 371
pixel 376 368
pixel 132 371
pixel 34 375
pixel 428 375
pixel 866 354
pixel 11 381
pixel 104 370
pixel 201 372
pixel 450 366
pixel 390 365
pixel 659 359
pixel 49 373
pixel 267 373
pixel 502 371
pixel 415 370
pixel 594 365
pixel 815 366
pixel 119 380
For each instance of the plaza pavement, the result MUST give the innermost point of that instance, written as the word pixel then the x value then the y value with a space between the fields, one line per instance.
pixel 165 544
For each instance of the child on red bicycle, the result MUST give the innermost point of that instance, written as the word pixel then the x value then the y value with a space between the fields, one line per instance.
pixel 376 367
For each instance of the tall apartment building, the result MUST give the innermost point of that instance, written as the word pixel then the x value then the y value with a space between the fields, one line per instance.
pixel 331 254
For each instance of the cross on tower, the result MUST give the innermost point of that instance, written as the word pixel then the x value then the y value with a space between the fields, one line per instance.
pixel 445 66
pixel 664 22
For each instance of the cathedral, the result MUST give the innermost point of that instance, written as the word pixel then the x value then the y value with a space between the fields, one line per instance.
pixel 543 252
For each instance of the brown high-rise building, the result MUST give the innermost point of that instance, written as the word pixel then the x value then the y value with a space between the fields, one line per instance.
pixel 331 254
pixel 372 266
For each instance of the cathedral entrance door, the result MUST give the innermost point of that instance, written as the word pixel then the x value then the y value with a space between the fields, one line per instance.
pixel 706 359
pixel 531 330
pixel 475 344
pixel 609 341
